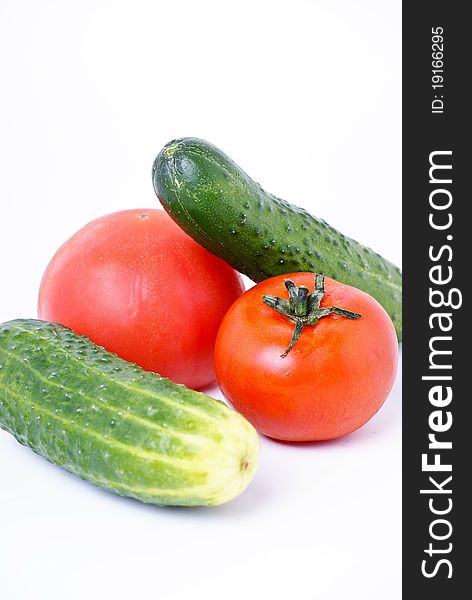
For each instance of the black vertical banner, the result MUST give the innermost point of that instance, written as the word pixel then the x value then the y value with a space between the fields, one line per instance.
pixel 437 341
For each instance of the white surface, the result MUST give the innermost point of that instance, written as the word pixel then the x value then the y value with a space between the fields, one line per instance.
pixel 305 95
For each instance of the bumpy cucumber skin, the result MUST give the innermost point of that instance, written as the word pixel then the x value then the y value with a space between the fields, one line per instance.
pixel 113 424
pixel 258 234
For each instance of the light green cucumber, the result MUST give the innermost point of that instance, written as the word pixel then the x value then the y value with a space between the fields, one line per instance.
pixel 258 234
pixel 121 428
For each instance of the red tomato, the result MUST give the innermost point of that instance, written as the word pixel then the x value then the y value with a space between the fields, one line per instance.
pixel 136 284
pixel 333 380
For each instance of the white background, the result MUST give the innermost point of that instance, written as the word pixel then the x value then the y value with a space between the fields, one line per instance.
pixel 305 95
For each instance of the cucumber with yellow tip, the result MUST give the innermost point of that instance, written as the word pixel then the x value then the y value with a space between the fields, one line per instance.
pixel 117 426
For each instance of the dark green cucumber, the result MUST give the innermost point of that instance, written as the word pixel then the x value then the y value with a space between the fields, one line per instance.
pixel 260 235
pixel 123 429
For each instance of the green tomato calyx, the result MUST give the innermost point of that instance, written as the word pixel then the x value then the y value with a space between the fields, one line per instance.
pixel 304 308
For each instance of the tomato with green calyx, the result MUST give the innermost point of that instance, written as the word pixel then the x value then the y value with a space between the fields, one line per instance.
pixel 306 366
pixel 135 283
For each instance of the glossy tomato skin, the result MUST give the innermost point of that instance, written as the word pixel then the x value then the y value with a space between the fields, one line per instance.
pixel 335 378
pixel 135 283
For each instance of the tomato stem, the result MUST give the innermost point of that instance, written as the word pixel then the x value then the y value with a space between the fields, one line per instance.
pixel 304 308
